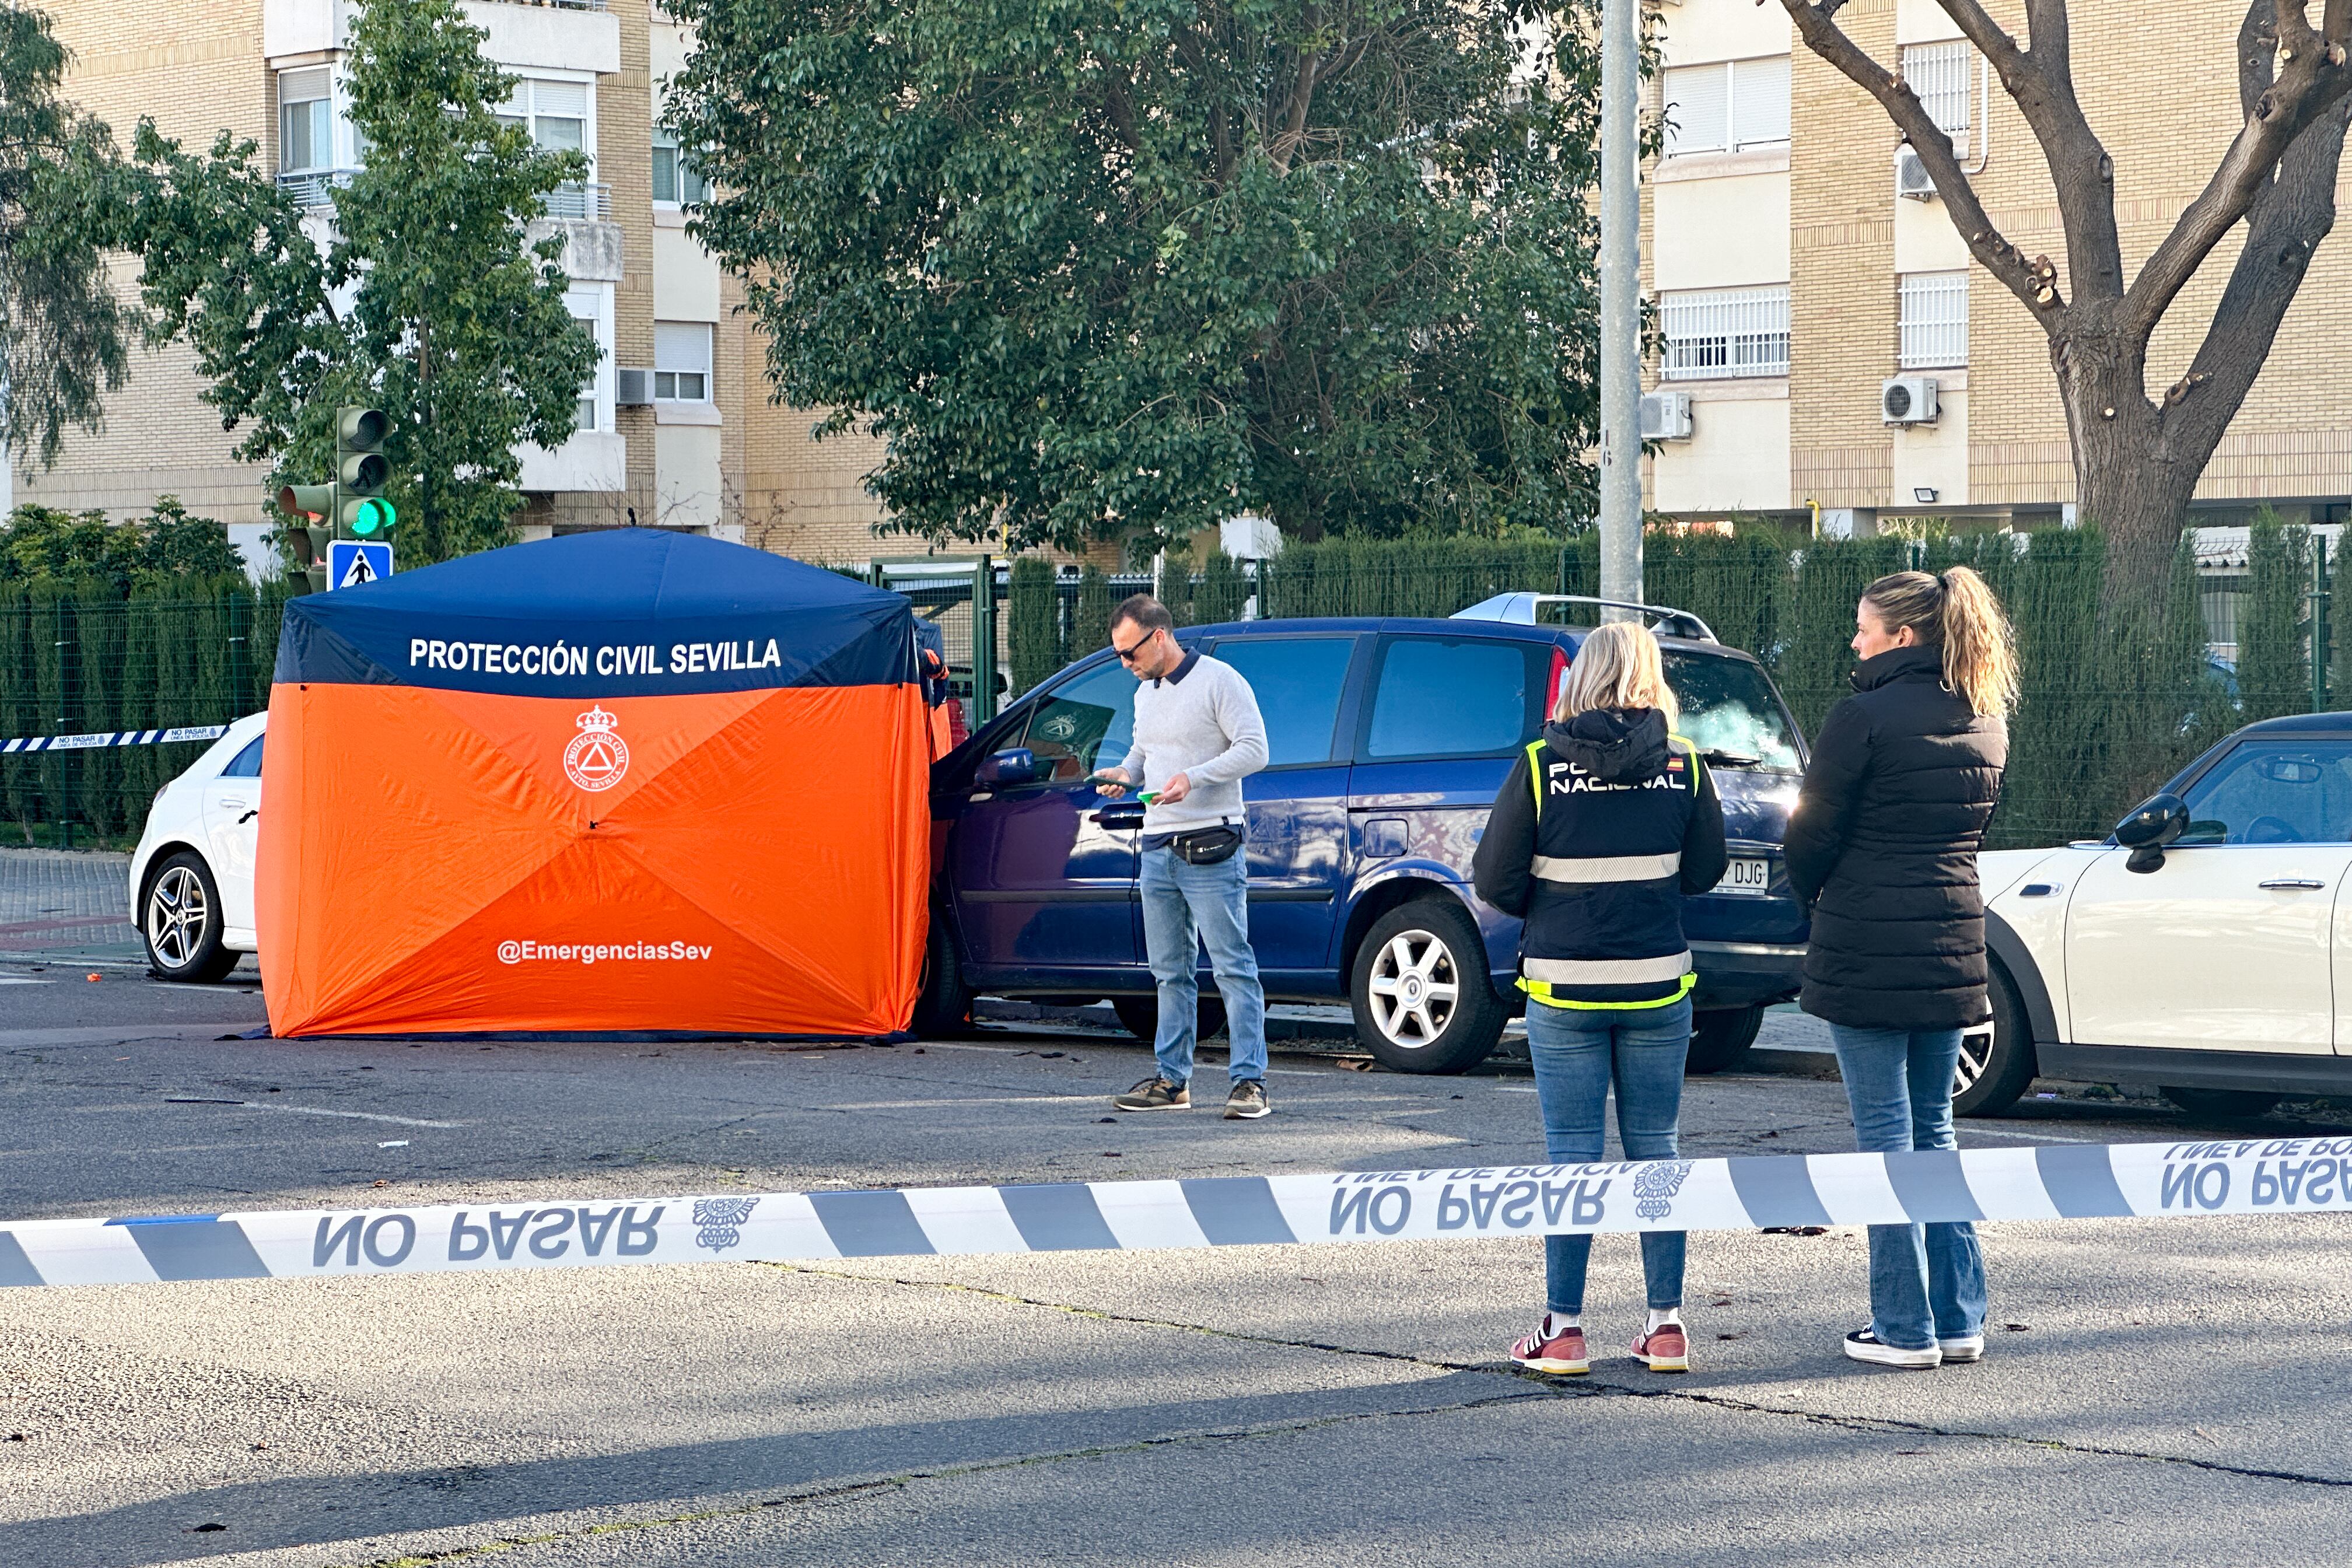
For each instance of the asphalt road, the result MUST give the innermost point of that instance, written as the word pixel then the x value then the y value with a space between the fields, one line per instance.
pixel 2156 1391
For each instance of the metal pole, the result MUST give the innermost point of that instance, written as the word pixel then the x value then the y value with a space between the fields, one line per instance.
pixel 1621 304
pixel 2321 597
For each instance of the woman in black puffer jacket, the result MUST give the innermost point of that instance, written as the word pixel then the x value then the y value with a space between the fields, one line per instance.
pixel 1882 844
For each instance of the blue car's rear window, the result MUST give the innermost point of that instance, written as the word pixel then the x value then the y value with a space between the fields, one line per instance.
pixel 1445 697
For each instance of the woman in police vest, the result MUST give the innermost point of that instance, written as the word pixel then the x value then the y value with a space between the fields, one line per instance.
pixel 1605 825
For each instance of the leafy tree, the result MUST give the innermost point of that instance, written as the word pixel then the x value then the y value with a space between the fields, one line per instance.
pixel 2138 458
pixel 62 331
pixel 428 299
pixel 39 542
pixel 1092 269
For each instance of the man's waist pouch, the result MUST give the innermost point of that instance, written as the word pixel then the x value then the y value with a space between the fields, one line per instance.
pixel 1207 845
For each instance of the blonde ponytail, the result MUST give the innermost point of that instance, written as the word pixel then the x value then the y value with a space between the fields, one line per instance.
pixel 1957 612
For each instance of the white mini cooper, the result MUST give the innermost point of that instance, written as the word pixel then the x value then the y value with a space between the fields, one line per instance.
pixel 2205 946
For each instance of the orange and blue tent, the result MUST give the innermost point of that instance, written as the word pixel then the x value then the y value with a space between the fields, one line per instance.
pixel 623 781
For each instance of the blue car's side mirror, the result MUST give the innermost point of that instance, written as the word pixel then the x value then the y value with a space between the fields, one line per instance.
pixel 1001 770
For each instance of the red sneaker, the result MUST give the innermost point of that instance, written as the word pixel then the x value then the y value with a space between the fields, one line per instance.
pixel 1562 1355
pixel 1663 1349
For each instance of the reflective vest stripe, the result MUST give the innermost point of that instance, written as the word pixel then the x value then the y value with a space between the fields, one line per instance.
pixel 1538 991
pixel 1607 971
pixel 1582 868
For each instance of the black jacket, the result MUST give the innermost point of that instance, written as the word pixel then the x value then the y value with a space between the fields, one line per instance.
pixel 1596 863
pixel 1903 783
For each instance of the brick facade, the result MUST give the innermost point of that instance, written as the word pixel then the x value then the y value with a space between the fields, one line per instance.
pixel 2156 80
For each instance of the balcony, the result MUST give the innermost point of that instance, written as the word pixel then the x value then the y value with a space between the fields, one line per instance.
pixel 560 35
pixel 591 202
pixel 313 190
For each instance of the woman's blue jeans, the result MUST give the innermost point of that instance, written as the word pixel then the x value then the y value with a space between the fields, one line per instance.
pixel 1579 1053
pixel 1926 1282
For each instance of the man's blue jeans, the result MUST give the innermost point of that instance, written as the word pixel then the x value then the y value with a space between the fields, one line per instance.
pixel 1926 1282
pixel 1186 907
pixel 1578 1054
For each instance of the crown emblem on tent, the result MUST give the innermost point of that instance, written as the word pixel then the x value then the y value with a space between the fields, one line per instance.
pixel 597 720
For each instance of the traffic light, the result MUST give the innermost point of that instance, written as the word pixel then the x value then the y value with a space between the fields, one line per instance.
pixel 311 507
pixel 360 472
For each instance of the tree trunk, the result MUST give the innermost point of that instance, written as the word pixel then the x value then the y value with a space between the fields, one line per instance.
pixel 2127 481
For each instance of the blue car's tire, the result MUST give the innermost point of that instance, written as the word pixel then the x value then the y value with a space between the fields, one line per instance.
pixel 943 1006
pixel 1419 991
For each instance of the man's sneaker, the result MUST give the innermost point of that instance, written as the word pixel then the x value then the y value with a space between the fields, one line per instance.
pixel 1663 1349
pixel 1248 1101
pixel 1562 1355
pixel 1154 1094
pixel 1962 1347
pixel 1863 1345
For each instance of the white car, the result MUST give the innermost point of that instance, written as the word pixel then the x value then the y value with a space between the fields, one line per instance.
pixel 191 874
pixel 2205 946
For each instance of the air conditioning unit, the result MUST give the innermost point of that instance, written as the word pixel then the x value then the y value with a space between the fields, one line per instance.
pixel 1666 416
pixel 1911 176
pixel 1907 400
pixel 636 389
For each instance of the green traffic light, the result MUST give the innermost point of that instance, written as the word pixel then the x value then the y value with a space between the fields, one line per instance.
pixel 373 516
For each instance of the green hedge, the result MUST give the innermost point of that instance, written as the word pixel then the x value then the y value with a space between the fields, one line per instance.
pixel 77 656
pixel 2112 706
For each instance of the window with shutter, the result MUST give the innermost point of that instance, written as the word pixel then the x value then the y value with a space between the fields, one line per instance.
pixel 681 361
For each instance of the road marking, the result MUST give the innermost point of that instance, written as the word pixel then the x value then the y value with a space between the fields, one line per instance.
pixel 1514 1089
pixel 23 980
pixel 2034 1137
pixel 321 1111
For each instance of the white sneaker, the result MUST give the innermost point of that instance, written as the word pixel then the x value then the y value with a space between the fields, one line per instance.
pixel 1962 1347
pixel 1863 1345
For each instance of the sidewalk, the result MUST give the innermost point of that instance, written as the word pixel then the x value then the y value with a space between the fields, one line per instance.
pixel 67 904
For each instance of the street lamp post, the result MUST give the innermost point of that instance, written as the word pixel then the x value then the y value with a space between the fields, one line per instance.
pixel 1620 303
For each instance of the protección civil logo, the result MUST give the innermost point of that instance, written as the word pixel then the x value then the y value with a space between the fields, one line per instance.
pixel 597 757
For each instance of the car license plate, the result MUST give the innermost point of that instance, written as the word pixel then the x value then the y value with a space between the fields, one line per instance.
pixel 1746 876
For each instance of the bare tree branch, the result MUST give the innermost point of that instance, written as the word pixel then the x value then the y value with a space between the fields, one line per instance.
pixel 2295 33
pixel 1825 38
pixel 2257 55
pixel 2310 84
pixel 2039 80
pixel 2287 221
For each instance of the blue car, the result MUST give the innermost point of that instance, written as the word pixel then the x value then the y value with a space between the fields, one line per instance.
pixel 1389 739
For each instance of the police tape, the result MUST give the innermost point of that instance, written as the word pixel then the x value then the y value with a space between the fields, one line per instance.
pixel 2288 1175
pixel 102 738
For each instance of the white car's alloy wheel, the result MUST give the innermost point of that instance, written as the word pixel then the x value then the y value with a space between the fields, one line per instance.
pixel 1415 988
pixel 177 910
pixel 1976 1055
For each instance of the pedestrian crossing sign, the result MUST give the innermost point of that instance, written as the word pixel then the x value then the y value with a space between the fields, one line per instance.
pixel 352 562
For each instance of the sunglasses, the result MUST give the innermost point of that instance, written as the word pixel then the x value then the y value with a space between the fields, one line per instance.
pixel 1127 655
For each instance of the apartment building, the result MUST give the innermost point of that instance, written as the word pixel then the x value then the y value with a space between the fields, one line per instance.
pixel 1827 342
pixel 674 431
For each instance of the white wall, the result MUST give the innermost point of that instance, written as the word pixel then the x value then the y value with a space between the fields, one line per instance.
pixel 1736 460
pixel 1697 31
pixel 686 475
pixel 1934 455
pixel 1721 233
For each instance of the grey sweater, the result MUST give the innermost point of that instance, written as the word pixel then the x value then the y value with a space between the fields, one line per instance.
pixel 1201 722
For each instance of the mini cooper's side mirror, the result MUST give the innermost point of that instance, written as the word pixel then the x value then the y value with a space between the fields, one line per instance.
pixel 2153 823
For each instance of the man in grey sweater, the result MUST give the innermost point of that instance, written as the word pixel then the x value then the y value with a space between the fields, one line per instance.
pixel 1197 734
